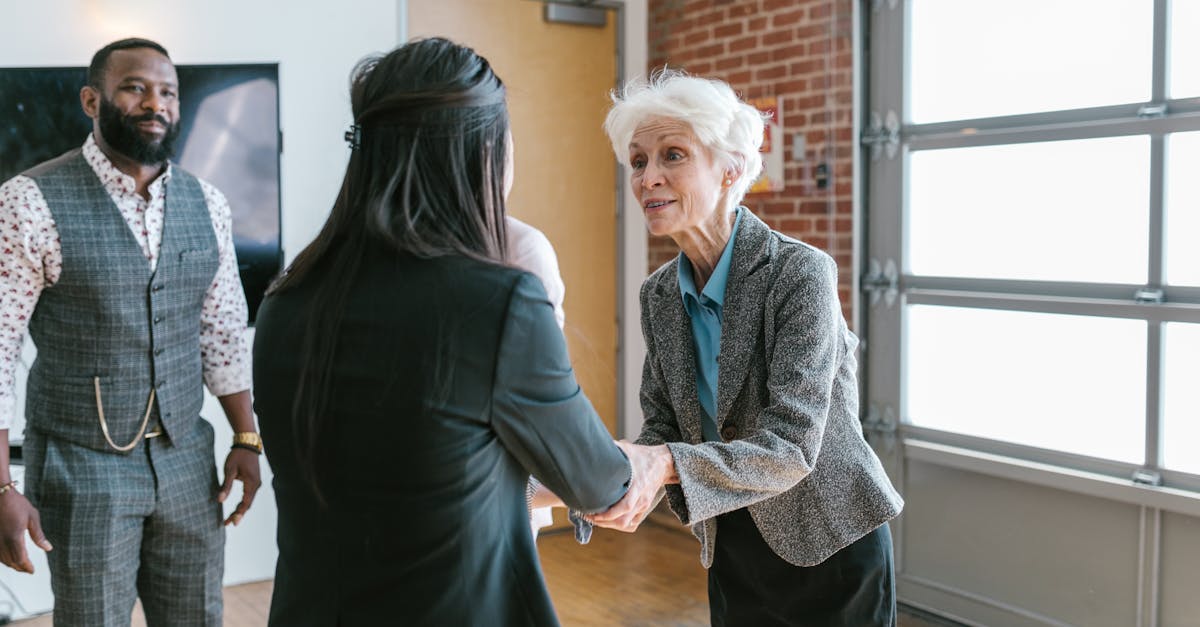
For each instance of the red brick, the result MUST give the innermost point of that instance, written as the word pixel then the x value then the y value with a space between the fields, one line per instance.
pixel 788 52
pixel 799 226
pixel 710 18
pixel 683 57
pixel 779 208
pixel 807 66
pixel 819 48
pixel 792 86
pixel 820 82
pixel 787 19
pixel 778 37
pixel 812 31
pixel 758 58
pixel 728 30
pixel 745 43
pixel 813 207
pixel 730 63
pixel 741 10
pixel 839 225
pixel 696 37
pixel 771 72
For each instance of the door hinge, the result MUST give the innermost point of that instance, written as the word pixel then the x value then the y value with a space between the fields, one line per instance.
pixel 882 135
pixel 881 282
pixel 1149 296
pixel 1152 110
pixel 1146 476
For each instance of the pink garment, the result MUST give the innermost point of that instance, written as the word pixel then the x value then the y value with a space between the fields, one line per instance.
pixel 529 250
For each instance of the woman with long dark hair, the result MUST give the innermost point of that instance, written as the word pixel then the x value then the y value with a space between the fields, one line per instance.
pixel 408 382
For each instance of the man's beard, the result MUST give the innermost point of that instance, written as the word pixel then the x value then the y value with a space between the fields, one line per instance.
pixel 122 134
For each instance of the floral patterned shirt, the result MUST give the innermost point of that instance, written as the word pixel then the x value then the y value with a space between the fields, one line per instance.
pixel 31 261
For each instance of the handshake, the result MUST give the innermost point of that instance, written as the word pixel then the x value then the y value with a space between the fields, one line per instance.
pixel 651 467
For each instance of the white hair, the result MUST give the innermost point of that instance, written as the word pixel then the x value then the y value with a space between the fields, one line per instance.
pixel 730 128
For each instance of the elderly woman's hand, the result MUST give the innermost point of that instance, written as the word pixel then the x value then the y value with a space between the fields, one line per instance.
pixel 652 467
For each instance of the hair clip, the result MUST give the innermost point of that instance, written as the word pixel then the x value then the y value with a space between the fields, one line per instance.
pixel 354 137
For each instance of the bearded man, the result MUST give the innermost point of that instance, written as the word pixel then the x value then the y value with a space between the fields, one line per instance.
pixel 121 267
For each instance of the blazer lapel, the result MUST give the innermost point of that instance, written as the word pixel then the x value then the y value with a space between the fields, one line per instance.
pixel 743 309
pixel 677 355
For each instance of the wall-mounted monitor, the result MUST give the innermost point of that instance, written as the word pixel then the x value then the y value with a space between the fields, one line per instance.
pixel 229 136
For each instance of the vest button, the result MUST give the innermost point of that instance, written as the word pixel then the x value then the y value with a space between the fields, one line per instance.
pixel 728 432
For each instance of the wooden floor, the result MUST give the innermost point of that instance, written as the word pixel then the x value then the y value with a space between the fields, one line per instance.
pixel 651 578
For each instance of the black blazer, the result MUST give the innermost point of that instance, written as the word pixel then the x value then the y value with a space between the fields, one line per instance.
pixel 452 385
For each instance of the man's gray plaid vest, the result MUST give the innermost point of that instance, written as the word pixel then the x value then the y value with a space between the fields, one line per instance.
pixel 109 316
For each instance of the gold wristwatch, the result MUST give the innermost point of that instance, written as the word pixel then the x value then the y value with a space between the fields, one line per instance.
pixel 248 440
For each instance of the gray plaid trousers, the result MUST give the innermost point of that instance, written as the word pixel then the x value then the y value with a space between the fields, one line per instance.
pixel 146 525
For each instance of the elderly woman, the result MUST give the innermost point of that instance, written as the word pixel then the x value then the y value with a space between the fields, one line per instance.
pixel 748 389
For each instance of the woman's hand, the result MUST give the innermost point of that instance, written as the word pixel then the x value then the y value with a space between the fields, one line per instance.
pixel 652 467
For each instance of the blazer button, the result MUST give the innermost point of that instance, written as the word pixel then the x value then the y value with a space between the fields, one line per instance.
pixel 729 432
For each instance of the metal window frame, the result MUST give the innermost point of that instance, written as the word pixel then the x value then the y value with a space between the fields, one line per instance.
pixel 884 185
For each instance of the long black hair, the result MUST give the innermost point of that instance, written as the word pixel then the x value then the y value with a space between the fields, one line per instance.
pixel 425 178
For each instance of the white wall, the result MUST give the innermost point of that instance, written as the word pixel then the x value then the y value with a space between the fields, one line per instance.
pixel 634 238
pixel 315 44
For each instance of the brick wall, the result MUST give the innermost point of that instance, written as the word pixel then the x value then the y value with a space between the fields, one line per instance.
pixel 801 52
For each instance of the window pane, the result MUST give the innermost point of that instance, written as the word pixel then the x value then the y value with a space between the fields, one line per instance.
pixel 982 59
pixel 1069 383
pixel 1184 61
pixel 1068 211
pixel 1181 406
pixel 1183 208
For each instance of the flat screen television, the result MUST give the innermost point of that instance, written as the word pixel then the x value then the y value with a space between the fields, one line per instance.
pixel 229 136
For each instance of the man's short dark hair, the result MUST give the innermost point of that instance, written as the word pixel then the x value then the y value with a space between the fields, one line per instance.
pixel 99 64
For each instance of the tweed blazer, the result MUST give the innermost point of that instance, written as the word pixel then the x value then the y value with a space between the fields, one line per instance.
pixel 792 449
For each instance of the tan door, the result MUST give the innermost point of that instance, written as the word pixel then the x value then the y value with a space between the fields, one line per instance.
pixel 558 78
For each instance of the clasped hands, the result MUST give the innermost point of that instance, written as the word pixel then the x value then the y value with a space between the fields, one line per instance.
pixel 651 468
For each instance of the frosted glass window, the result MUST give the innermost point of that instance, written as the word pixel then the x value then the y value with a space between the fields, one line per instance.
pixel 1184 60
pixel 1069 211
pixel 1183 208
pixel 974 59
pixel 1181 402
pixel 1069 383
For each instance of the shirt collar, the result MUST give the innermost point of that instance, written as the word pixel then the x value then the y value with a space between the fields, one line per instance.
pixel 111 177
pixel 714 290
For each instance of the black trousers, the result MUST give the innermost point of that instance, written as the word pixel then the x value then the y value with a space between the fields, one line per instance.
pixel 750 586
